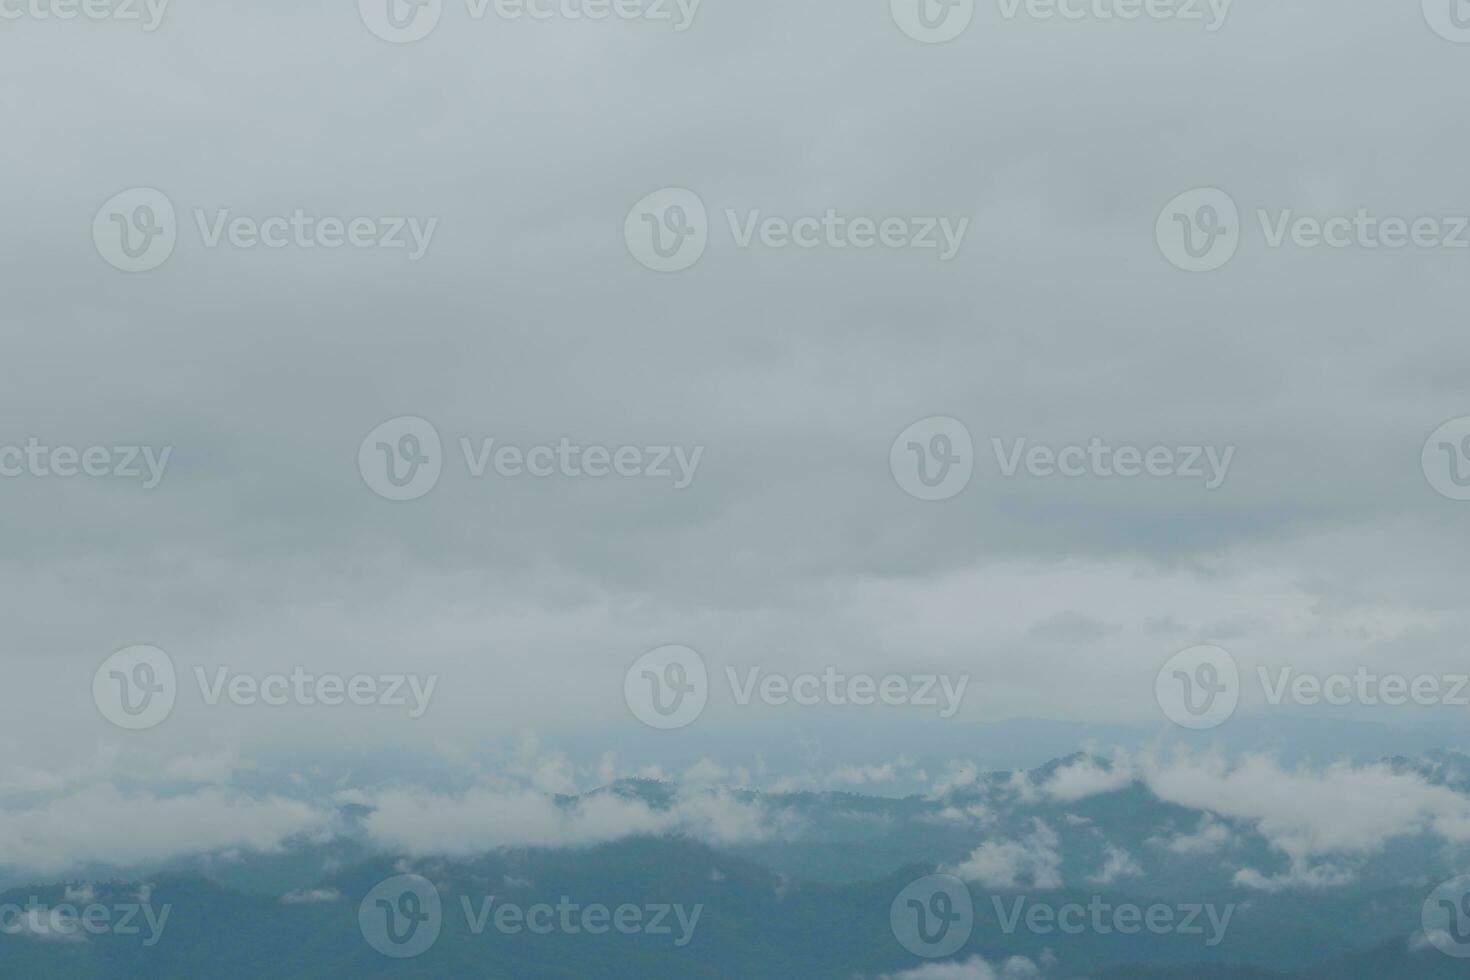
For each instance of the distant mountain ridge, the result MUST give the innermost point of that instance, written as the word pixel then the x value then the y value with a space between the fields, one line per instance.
pixel 810 898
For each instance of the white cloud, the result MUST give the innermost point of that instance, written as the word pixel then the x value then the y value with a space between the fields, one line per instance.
pixel 705 771
pixel 1034 861
pixel 83 894
pixel 1117 864
pixel 351 797
pixel 957 775
pixel 547 771
pixel 1022 787
pixel 313 896
pixel 1209 837
pixel 1300 876
pixel 104 824
pixel 1085 778
pixel 213 768
pixel 480 820
pixel 860 775
pixel 976 814
pixel 975 968
pixel 1341 809
pixel 46 925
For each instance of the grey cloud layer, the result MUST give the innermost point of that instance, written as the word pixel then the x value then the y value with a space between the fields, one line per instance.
pixel 527 320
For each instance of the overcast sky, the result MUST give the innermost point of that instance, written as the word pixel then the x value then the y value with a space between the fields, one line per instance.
pixel 528 319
